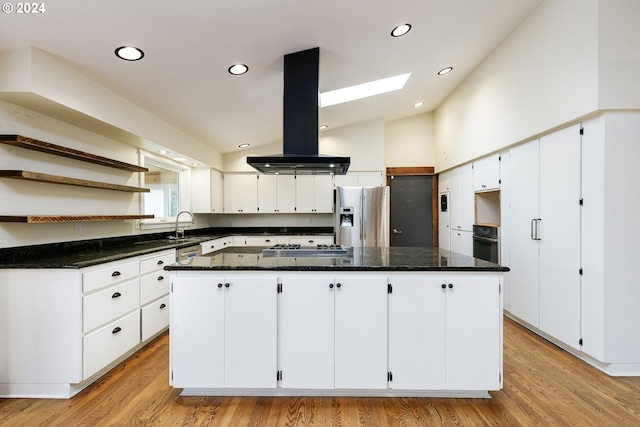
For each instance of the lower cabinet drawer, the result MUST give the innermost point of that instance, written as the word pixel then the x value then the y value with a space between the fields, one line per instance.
pixel 103 346
pixel 153 286
pixel 109 304
pixel 155 317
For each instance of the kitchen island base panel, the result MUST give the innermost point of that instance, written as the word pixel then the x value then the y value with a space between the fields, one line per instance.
pixel 459 394
pixel 339 307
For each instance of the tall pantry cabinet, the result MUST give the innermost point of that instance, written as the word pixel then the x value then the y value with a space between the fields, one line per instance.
pixel 544 215
pixel 611 242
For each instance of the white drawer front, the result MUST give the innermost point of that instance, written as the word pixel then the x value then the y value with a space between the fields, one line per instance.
pixel 267 240
pixel 109 274
pixel 311 240
pixel 110 342
pixel 153 286
pixel 109 304
pixel 155 317
pixel 147 265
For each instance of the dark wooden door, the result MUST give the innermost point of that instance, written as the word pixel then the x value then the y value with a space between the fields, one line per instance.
pixel 411 210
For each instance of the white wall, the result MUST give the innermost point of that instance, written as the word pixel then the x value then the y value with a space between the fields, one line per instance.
pixel 363 142
pixel 32 78
pixel 410 141
pixel 543 76
pixel 24 197
pixel 619 54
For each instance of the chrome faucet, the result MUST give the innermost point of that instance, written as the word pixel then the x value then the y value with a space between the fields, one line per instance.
pixel 178 231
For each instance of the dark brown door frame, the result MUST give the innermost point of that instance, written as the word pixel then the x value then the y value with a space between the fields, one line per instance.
pixel 422 170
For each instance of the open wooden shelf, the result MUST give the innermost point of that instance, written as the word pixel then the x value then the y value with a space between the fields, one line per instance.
pixel 35 219
pixel 58 150
pixel 56 179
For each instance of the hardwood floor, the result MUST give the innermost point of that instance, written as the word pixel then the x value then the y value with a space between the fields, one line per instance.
pixel 543 386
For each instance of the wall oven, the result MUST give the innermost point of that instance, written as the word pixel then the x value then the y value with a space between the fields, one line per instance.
pixel 486 243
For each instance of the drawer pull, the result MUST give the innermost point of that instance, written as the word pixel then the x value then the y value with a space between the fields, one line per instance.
pixel 163 306
pixel 116 295
pixel 115 274
pixel 116 330
pixel 160 278
pixel 160 262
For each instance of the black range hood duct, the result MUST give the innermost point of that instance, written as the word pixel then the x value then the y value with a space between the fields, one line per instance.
pixel 300 127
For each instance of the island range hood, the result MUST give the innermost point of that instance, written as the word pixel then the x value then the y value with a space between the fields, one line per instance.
pixel 300 127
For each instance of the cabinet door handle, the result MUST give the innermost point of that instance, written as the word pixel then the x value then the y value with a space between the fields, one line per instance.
pixel 116 330
pixel 226 285
pixel 219 285
pixel 444 286
pixel 116 295
pixel 115 274
pixel 160 278
pixel 330 285
pixel 163 305
pixel 338 285
pixel 450 286
pixel 160 262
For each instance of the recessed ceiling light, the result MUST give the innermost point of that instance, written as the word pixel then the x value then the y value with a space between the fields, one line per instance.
pixel 323 127
pixel 129 53
pixel 238 69
pixel 244 145
pixel 363 90
pixel 445 71
pixel 418 104
pixel 401 30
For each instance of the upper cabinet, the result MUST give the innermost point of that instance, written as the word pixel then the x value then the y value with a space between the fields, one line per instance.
pixel 486 173
pixel 207 191
pixel 241 193
pixel 444 182
pixel 369 179
pixel 314 194
pixel 276 194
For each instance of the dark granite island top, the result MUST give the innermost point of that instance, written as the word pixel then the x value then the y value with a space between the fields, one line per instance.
pixel 361 259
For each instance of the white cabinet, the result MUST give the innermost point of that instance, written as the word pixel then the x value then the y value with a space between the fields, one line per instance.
pixel 216 244
pixel 314 194
pixel 224 331
pixel 461 242
pixel 333 331
pixel 206 191
pixel 486 173
pixel 154 291
pixel 79 322
pixel 610 291
pixel 446 333
pixel 276 193
pixel 311 240
pixel 240 193
pixel 109 312
pixel 545 234
pixel 444 182
pixel 364 178
pixel 266 241
pixel 461 198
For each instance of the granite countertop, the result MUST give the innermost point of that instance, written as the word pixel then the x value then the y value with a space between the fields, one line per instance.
pixel 86 253
pixel 362 259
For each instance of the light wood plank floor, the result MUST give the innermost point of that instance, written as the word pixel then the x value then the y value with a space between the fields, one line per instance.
pixel 543 386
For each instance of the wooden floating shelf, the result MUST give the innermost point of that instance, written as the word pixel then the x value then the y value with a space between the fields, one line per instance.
pixel 56 179
pixel 58 150
pixel 37 219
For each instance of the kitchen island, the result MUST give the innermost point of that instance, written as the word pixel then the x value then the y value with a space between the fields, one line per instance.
pixel 373 322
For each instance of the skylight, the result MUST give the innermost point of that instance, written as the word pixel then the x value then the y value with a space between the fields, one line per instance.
pixel 363 90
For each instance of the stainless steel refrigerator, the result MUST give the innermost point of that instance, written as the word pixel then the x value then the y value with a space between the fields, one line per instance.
pixel 362 216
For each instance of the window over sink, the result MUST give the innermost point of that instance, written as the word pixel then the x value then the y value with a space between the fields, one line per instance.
pixel 169 184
